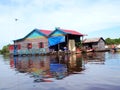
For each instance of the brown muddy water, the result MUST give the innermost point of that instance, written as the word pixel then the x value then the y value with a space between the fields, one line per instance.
pixel 93 71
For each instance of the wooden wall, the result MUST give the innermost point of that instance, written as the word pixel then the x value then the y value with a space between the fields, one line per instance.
pixel 34 39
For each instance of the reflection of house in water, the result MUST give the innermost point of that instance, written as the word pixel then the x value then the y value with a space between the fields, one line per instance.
pixel 95 57
pixel 29 64
pixel 58 67
pixel 38 67
pixel 53 66
pixel 76 63
pixel 59 71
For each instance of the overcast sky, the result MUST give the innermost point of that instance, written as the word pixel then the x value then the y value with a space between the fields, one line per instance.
pixel 19 17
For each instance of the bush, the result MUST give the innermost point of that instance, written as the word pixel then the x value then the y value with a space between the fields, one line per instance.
pixel 78 44
pixel 5 50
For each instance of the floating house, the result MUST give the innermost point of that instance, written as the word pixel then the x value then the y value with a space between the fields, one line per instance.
pixel 97 44
pixel 45 41
pixel 61 39
pixel 36 42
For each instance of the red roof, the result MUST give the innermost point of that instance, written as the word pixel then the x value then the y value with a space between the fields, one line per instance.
pixel 72 32
pixel 47 32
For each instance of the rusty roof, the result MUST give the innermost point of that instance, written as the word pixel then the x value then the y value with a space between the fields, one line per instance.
pixel 90 40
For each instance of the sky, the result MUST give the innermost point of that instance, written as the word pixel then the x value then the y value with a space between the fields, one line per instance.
pixel 96 18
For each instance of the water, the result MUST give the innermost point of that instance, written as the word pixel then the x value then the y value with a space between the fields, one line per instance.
pixel 93 71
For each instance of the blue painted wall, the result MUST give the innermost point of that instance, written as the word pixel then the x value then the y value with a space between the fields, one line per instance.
pixel 57 33
pixel 35 35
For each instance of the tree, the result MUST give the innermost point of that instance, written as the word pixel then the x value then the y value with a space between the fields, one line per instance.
pixel 110 41
pixel 0 51
pixel 5 50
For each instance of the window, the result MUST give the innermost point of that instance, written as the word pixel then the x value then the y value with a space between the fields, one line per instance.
pixel 29 45
pixel 41 45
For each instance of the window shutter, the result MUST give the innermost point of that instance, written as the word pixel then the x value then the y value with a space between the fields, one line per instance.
pixel 29 46
pixel 11 47
pixel 41 45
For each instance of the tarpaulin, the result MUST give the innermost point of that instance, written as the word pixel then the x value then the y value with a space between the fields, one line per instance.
pixel 56 40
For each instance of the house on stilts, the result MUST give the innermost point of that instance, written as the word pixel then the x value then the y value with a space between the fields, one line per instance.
pixel 45 41
pixel 61 39
pixel 96 44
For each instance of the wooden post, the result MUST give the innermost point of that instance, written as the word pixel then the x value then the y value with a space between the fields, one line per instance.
pixel 58 48
pixel 67 43
pixel 82 42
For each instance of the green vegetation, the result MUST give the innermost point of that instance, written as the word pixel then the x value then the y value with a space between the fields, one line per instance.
pixel 78 44
pixel 5 50
pixel 110 41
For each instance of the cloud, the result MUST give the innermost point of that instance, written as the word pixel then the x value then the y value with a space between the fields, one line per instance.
pixel 81 15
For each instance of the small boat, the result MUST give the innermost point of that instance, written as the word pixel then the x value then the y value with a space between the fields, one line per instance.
pixel 117 49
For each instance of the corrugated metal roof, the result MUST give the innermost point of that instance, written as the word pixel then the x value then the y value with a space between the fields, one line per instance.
pixel 71 32
pixel 47 32
pixel 90 40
